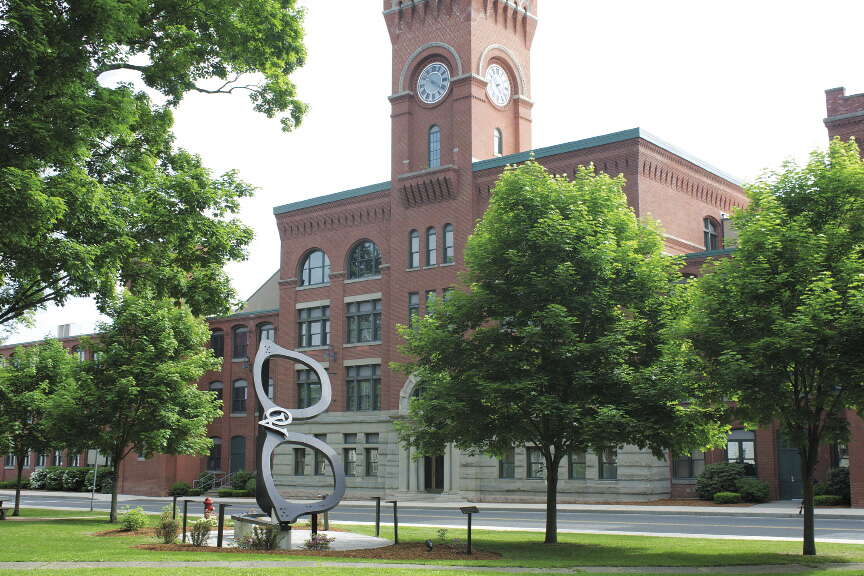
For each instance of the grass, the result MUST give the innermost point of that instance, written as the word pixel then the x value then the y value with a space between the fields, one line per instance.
pixel 72 540
pixel 306 571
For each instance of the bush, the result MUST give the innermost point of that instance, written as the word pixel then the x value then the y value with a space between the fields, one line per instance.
pixel 195 492
pixel 837 484
pixel 37 479
pixel 318 542
pixel 11 484
pixel 133 519
pixel 179 489
pixel 200 531
pixel 229 493
pixel 73 479
pixel 263 538
pixel 251 486
pixel 727 498
pixel 104 481
pixel 240 479
pixel 167 527
pixel 752 489
pixel 54 479
pixel 827 500
pixel 719 477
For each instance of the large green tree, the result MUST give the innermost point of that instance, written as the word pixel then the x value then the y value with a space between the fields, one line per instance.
pixel 91 190
pixel 558 341
pixel 780 325
pixel 140 392
pixel 28 381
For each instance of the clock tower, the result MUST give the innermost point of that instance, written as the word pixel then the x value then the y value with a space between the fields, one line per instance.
pixel 461 86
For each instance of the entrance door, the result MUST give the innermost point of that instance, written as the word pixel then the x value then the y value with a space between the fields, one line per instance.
pixel 433 472
pixel 791 485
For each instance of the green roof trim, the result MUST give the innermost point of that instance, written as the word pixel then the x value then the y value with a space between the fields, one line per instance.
pixel 709 253
pixel 595 141
pixel 344 195
pixel 244 314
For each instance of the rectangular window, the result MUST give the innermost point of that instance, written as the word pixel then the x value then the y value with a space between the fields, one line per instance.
pixel 299 461
pixel 240 344
pixel 349 438
pixel 364 322
pixel 536 464
pixel 371 461
pixel 76 460
pixel 372 438
pixel 238 397
pixel 58 458
pixel 313 327
pixel 608 463
pixel 576 465
pixel 413 308
pixel 447 294
pixel 449 245
pixel 741 448
pixel 840 455
pixel 27 460
pixel 430 297
pixel 349 459
pixel 507 464
pixel 363 385
pixel 217 343
pixel 688 465
pixel 42 460
pixel 414 253
pixel 434 147
pixel 9 461
pixel 308 388
pixel 321 468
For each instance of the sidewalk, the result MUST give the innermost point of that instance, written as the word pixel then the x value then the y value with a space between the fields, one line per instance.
pixel 781 509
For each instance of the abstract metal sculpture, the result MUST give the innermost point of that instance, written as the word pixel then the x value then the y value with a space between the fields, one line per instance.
pixel 273 432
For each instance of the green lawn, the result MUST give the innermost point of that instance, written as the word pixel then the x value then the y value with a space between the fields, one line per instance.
pixel 72 540
pixel 304 571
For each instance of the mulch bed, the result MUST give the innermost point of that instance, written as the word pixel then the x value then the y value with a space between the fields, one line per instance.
pixel 412 551
pixel 121 532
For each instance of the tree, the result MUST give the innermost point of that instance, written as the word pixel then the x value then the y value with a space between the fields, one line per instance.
pixel 780 325
pixel 28 382
pixel 558 341
pixel 140 393
pixel 76 153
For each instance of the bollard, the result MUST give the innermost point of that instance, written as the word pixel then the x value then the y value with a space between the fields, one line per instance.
pixel 174 509
pixel 377 515
pixel 221 529
pixel 395 521
pixel 314 524
pixel 185 514
pixel 469 511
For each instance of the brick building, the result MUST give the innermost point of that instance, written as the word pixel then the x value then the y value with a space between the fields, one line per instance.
pixel 356 263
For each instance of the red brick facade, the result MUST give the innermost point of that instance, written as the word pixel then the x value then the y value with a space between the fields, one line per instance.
pixel 845 115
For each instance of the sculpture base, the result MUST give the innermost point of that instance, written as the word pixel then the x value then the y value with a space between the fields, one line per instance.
pixel 245 524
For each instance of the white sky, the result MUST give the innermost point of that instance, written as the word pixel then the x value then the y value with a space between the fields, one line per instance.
pixel 739 84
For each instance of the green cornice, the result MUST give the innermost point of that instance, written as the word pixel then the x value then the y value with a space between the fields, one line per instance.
pixel 709 253
pixel 344 195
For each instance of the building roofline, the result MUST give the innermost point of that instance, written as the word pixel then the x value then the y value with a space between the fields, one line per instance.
pixel 243 315
pixel 848 116
pixel 33 342
pixel 344 195
pixel 709 253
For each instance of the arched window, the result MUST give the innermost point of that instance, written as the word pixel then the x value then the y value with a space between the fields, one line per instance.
pixel 434 147
pixel 266 332
pixel 414 249
pixel 218 389
pixel 238 397
pixel 308 388
pixel 315 269
pixel 240 342
pixel 238 453
pixel 431 247
pixel 214 460
pixel 364 261
pixel 498 142
pixel 712 233
pixel 449 244
pixel 217 343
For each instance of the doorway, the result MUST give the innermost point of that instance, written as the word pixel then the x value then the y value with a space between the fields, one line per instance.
pixel 433 473
pixel 789 459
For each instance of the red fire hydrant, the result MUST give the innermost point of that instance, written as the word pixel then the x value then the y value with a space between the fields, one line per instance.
pixel 208 507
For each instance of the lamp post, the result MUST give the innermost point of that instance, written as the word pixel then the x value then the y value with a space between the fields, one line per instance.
pixel 469 511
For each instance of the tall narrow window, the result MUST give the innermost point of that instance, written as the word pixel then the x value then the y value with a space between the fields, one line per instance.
pixel 214 460
pixel 576 465
pixel 431 295
pixel 238 453
pixel 364 321
pixel 431 247
pixel 608 461
pixel 712 235
pixel 320 460
pixel 413 308
pixel 42 460
pixel 266 332
pixel 349 459
pixel 414 249
pixel 364 261
pixel 239 343
pixel 313 326
pixel 363 388
pixel 238 397
pixel 498 142
pixel 371 461
pixel 315 269
pixel 507 464
pixel 217 388
pixel 217 343
pixel 449 244
pixel 536 463
pixel 434 147
pixel 299 461
pixel 308 388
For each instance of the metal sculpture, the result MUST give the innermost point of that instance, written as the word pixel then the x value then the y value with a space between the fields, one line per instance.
pixel 273 432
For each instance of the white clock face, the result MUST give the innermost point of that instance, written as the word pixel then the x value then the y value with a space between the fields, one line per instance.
pixel 433 83
pixel 498 85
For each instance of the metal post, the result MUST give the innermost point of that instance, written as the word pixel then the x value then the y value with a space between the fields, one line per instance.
pixel 185 514
pixel 314 524
pixel 95 477
pixel 395 521
pixel 377 516
pixel 221 529
pixel 469 533
pixel 174 508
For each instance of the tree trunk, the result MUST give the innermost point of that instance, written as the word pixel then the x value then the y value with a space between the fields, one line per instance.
pixel 808 465
pixel 552 463
pixel 17 510
pixel 117 460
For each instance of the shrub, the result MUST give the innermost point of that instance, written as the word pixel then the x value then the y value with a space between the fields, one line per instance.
pixel 11 484
pixel 251 486
pixel 104 481
pixel 837 484
pixel 827 500
pixel 229 493
pixel 240 479
pixel 167 527
pixel 195 492
pixel 200 531
pixel 262 538
pixel 752 489
pixel 73 479
pixel 133 519
pixel 719 477
pixel 318 542
pixel 727 498
pixel 54 479
pixel 37 479
pixel 179 489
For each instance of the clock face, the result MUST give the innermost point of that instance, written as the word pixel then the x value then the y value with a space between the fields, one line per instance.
pixel 433 83
pixel 498 85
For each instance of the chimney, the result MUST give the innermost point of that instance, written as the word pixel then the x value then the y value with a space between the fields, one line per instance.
pixel 64 331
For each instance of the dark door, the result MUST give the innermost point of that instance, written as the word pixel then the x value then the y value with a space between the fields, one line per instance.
pixel 238 454
pixel 789 459
pixel 433 471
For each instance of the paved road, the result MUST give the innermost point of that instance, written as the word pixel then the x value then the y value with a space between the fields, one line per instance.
pixel 505 518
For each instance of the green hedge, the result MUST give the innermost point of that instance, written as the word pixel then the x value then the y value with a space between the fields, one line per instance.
pixel 11 484
pixel 70 479
pixel 752 490
pixel 727 498
pixel 719 477
pixel 229 493
pixel 827 500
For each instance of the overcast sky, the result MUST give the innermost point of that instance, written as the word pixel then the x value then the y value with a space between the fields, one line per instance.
pixel 739 84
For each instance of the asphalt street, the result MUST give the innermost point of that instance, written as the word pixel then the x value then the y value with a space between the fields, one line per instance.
pixel 515 519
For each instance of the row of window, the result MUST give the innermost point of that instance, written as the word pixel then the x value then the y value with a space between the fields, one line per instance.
pixel 42 460
pixel 449 255
pixel 535 464
pixel 240 340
